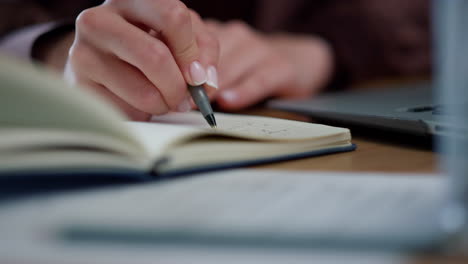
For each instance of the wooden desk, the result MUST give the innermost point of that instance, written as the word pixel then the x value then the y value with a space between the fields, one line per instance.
pixel 370 156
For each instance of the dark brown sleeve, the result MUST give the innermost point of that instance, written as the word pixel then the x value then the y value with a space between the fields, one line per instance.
pixel 18 14
pixel 22 22
pixel 371 39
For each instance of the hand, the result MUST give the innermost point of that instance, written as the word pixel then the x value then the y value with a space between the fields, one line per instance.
pixel 140 54
pixel 254 66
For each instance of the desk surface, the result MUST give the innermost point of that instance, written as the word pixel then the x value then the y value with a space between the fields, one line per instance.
pixel 371 155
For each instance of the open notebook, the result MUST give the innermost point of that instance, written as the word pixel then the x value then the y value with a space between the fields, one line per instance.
pixel 48 126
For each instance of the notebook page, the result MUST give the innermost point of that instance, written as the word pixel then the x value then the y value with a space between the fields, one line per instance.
pixel 254 127
pixel 163 132
pixel 157 138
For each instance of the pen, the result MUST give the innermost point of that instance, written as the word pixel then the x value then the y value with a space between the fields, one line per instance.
pixel 203 102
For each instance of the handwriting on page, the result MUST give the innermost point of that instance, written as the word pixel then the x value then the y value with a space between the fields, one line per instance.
pixel 249 126
pixel 257 129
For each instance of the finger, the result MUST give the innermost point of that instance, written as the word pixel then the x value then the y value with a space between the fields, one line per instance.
pixel 264 82
pixel 131 112
pixel 172 20
pixel 110 33
pixel 209 51
pixel 122 79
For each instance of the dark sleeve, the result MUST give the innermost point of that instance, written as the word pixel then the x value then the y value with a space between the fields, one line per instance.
pixel 371 39
pixel 23 22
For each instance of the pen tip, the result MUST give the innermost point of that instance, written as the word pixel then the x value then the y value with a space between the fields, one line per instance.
pixel 211 120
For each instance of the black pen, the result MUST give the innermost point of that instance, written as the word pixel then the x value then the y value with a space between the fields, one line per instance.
pixel 200 98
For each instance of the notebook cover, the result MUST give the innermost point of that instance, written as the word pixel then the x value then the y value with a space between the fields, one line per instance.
pixel 19 184
pixel 232 165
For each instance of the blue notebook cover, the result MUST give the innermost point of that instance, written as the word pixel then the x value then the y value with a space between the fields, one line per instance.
pixel 18 184
pixel 232 165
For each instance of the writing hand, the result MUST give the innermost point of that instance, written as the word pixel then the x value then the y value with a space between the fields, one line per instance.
pixel 140 54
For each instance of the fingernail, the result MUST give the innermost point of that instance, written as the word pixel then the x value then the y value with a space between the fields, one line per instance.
pixel 212 77
pixel 230 96
pixel 197 73
pixel 184 106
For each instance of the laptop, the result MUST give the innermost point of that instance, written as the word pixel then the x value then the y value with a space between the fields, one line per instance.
pixel 410 109
pixel 407 109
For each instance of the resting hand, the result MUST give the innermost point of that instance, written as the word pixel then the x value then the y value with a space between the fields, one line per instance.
pixel 140 54
pixel 254 66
